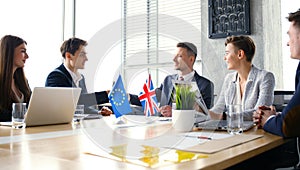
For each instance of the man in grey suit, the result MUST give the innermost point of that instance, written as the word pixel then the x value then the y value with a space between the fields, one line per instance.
pixel 184 61
pixel 67 75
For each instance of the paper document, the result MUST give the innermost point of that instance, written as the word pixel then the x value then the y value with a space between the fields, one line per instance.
pixel 5 124
pixel 220 144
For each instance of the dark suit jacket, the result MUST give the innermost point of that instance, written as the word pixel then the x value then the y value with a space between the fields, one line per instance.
pixel 60 77
pixel 286 124
pixel 163 93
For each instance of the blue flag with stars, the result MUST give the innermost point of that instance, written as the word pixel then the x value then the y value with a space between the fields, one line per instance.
pixel 118 99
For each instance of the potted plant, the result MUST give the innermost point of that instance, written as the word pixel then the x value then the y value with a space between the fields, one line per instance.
pixel 184 97
pixel 183 115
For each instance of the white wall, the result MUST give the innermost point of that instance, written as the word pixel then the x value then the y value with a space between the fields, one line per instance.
pixel 100 24
pixel 40 23
pixel 37 23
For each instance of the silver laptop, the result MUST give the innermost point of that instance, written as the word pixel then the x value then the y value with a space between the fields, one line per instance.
pixel 51 105
pixel 221 125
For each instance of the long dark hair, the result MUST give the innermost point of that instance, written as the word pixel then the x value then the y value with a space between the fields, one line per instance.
pixel 8 44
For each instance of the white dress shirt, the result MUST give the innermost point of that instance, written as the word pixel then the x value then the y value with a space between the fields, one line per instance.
pixel 76 77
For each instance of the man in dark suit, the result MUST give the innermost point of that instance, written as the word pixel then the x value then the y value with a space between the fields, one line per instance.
pixel 285 123
pixel 67 75
pixel 184 61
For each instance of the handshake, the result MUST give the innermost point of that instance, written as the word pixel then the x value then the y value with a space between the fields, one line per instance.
pixel 105 111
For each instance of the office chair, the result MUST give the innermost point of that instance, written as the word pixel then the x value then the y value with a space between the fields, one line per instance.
pixel 281 99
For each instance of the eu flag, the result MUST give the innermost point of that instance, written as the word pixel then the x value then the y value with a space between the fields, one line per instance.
pixel 118 99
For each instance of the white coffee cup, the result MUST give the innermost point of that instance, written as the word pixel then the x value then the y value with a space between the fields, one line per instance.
pixel 18 115
pixel 183 120
pixel 235 119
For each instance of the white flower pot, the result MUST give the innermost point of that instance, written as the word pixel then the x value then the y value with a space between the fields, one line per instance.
pixel 183 120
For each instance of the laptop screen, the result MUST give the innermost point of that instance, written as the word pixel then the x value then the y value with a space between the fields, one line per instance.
pixel 52 105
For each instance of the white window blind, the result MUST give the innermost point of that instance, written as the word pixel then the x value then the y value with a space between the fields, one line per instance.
pixel 151 29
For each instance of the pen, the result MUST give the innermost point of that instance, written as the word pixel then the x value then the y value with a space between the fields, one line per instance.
pixel 165 119
pixel 204 137
pixel 201 137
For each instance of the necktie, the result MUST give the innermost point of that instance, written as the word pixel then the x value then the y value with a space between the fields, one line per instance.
pixel 181 78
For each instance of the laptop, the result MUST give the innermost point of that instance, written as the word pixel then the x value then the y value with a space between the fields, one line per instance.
pixel 52 105
pixel 221 125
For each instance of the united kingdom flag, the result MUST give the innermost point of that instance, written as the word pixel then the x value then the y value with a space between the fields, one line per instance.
pixel 148 98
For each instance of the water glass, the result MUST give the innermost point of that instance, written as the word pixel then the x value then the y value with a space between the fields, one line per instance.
pixel 79 112
pixel 18 115
pixel 235 119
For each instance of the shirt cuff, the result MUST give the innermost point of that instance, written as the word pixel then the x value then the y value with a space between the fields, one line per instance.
pixel 270 118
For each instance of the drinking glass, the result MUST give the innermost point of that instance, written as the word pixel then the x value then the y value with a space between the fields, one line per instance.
pixel 18 115
pixel 235 119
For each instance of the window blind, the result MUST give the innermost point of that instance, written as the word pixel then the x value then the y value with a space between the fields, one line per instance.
pixel 150 31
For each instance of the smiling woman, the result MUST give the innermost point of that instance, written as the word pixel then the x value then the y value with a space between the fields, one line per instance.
pixel 248 85
pixel 14 87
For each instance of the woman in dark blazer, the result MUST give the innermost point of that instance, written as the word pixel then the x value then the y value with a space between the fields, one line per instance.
pixel 14 86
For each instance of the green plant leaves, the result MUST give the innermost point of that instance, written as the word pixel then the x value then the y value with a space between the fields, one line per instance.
pixel 185 97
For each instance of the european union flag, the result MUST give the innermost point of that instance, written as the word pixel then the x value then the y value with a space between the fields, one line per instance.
pixel 118 99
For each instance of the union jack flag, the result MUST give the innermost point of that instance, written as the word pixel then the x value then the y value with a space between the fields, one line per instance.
pixel 148 98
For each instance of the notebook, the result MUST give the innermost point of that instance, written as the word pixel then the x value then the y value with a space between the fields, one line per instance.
pixel 52 105
pixel 221 125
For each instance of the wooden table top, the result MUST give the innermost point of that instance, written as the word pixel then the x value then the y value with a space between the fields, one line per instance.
pixel 77 146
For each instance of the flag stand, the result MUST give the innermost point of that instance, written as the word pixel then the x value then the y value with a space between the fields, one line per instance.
pixel 120 121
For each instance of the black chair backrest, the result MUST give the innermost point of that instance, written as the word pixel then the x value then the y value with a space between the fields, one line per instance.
pixel 281 99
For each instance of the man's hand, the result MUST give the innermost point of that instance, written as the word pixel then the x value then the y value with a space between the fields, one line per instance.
pixel 261 115
pixel 105 111
pixel 166 111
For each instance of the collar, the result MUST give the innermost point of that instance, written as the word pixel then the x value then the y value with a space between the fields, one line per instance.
pixel 188 77
pixel 251 75
pixel 76 77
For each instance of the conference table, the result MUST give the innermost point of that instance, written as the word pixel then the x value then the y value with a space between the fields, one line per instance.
pixel 133 142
